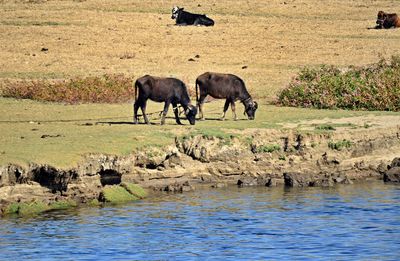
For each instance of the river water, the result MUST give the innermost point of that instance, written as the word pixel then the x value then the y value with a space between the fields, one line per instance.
pixel 348 222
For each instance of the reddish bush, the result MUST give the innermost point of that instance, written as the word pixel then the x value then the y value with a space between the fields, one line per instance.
pixel 109 88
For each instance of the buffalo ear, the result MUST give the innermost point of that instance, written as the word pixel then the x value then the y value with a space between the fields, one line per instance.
pixel 255 105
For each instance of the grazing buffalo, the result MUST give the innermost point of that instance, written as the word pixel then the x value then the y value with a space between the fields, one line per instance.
pixel 168 90
pixel 386 21
pixel 224 86
pixel 185 18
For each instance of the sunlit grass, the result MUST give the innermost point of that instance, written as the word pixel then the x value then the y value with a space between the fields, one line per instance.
pixel 61 135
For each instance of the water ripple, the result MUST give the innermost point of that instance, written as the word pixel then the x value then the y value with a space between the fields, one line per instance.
pixel 357 222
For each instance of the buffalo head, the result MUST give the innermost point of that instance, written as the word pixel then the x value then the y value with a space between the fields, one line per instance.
pixel 190 113
pixel 250 108
pixel 381 17
pixel 175 12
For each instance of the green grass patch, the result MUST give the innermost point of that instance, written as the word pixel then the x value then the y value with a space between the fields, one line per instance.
pixel 36 207
pixel 117 194
pixel 325 127
pixel 333 126
pixel 340 145
pixel 63 204
pixel 135 189
pixel 269 148
pixel 373 87
pixel 94 203
pixel 26 209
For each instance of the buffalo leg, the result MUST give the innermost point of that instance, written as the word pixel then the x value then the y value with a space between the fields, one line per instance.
pixel 200 105
pixel 143 107
pixel 164 113
pixel 135 109
pixel 233 107
pixel 226 106
pixel 176 112
pixel 201 114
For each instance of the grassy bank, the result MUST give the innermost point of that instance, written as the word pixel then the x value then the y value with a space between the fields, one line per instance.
pixel 61 134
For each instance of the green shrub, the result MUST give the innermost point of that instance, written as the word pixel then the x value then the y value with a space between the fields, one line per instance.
pixel 373 87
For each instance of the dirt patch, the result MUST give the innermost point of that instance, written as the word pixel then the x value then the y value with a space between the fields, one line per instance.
pixel 342 124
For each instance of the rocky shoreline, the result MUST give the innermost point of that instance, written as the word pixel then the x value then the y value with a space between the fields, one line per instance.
pixel 260 157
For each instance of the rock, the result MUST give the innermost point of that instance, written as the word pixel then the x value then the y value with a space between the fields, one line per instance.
pixel 54 179
pixel 25 193
pixel 382 168
pixel 272 182
pixel 392 175
pixel 296 179
pixel 219 185
pixel 255 180
pixel 395 163
pixel 309 179
pixel 13 174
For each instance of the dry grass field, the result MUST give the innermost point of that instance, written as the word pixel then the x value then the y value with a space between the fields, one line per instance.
pixel 271 39
pixel 263 42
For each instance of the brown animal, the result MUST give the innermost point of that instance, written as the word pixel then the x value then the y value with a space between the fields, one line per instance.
pixel 224 86
pixel 167 90
pixel 386 21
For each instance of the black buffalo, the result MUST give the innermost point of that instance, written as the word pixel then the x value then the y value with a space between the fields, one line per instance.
pixel 225 86
pixel 386 21
pixel 185 18
pixel 168 90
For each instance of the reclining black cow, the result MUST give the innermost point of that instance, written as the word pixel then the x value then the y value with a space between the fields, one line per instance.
pixel 387 21
pixel 168 90
pixel 225 86
pixel 185 18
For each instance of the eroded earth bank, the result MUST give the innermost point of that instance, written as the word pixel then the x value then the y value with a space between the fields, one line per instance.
pixel 256 157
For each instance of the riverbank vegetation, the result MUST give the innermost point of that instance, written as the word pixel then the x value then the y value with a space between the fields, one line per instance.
pixel 107 88
pixel 370 87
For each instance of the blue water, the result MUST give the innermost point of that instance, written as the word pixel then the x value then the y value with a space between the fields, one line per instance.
pixel 353 222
